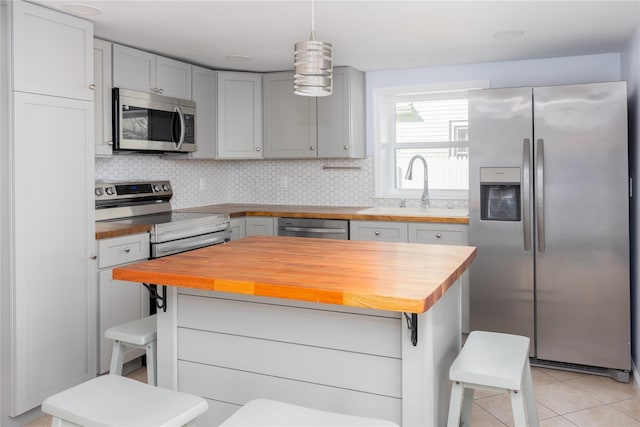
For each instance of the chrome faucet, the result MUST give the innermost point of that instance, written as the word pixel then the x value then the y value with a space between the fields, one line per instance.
pixel 425 192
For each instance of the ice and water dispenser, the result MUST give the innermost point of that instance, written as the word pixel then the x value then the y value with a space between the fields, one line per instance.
pixel 500 194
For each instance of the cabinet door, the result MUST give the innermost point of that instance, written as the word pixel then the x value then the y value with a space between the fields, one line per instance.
pixel 173 78
pixel 261 226
pixel 239 115
pixel 446 234
pixel 378 231
pixel 134 69
pixel 205 90
pixel 238 230
pixel 341 116
pixel 102 100
pixel 54 282
pixel 52 52
pixel 289 119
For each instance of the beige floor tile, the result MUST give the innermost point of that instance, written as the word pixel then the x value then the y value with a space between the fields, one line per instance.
pixel 556 422
pixel 562 375
pixel 43 421
pixel 500 407
pixel 481 418
pixel 541 377
pixel 139 375
pixel 602 416
pixel 630 407
pixel 604 389
pixel 563 399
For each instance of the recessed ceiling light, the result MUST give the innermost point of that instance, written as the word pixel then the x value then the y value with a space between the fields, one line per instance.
pixel 82 9
pixel 237 58
pixel 508 34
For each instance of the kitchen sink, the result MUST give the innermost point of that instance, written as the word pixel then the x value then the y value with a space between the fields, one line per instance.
pixel 396 211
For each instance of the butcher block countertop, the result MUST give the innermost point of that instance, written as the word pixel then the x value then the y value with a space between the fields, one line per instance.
pixel 234 210
pixel 400 277
pixel 325 212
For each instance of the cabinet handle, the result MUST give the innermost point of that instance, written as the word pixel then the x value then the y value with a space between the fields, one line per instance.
pixel 438 235
pixel 346 147
pixel 160 91
pixel 154 89
pixel 257 148
pixel 126 250
pixel 377 233
pixel 92 86
pixel 93 257
pixel 312 148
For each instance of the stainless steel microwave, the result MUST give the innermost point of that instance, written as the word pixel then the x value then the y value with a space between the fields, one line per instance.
pixel 154 123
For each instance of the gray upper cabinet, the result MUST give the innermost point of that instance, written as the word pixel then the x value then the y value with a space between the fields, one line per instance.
pixel 239 115
pixel 205 94
pixel 308 127
pixel 144 71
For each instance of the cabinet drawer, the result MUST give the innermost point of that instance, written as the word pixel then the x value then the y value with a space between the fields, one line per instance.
pixel 120 250
pixel 380 231
pixel 437 234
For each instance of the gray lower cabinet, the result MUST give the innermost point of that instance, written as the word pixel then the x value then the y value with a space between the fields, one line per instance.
pixel 308 127
pixel 261 226
pixel 119 301
pixel 238 228
pixel 379 231
pixel 418 232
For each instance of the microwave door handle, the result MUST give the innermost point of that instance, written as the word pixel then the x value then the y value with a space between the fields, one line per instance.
pixel 182 127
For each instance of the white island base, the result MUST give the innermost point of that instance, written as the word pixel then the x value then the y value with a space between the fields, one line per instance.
pixel 231 348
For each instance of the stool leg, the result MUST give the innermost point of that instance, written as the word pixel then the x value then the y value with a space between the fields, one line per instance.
pixel 517 406
pixel 467 406
pixel 455 405
pixel 59 422
pixel 152 370
pixel 117 358
pixel 530 397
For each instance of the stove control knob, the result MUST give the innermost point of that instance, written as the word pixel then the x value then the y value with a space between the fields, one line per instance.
pixel 109 191
pixel 165 187
pixel 99 191
pixel 156 188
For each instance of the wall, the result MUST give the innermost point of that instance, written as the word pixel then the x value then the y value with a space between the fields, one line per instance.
pixel 304 182
pixel 631 73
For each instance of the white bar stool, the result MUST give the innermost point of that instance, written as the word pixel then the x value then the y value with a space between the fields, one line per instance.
pixel 141 333
pixel 264 412
pixel 113 400
pixel 492 361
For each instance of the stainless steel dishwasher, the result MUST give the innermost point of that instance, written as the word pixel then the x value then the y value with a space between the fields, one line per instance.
pixel 314 227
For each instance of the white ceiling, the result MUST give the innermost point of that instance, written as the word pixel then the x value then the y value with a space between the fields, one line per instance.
pixel 367 34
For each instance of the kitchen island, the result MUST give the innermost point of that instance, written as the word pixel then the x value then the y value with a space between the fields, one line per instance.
pixel 364 328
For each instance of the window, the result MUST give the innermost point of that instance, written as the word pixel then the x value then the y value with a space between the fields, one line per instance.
pixel 432 124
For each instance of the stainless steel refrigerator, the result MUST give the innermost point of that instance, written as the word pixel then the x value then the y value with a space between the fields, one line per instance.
pixel 549 213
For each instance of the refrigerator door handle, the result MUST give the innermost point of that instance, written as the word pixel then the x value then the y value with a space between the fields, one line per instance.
pixel 526 193
pixel 540 193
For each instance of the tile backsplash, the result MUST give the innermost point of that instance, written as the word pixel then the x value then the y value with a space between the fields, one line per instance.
pixel 279 182
pixel 204 182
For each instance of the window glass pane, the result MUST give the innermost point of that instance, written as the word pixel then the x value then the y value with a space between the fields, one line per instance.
pixel 434 120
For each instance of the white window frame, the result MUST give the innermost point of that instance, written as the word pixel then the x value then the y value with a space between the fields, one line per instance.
pixel 384 136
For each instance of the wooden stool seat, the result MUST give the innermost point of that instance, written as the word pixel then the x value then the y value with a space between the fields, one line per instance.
pixel 141 333
pixel 264 412
pixel 492 361
pixel 113 400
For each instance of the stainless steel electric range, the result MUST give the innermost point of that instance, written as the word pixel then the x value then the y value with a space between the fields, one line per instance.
pixel 148 202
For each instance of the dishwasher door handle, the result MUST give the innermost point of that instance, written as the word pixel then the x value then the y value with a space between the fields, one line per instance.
pixel 315 230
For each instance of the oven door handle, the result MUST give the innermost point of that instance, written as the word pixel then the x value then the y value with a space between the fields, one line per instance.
pixel 167 235
pixel 175 247
pixel 315 230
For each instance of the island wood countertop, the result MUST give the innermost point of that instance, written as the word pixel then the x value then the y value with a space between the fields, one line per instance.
pixel 400 277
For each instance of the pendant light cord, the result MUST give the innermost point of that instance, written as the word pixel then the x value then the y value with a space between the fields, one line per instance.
pixel 313 21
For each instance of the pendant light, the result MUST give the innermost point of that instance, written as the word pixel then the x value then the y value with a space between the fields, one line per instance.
pixel 313 65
